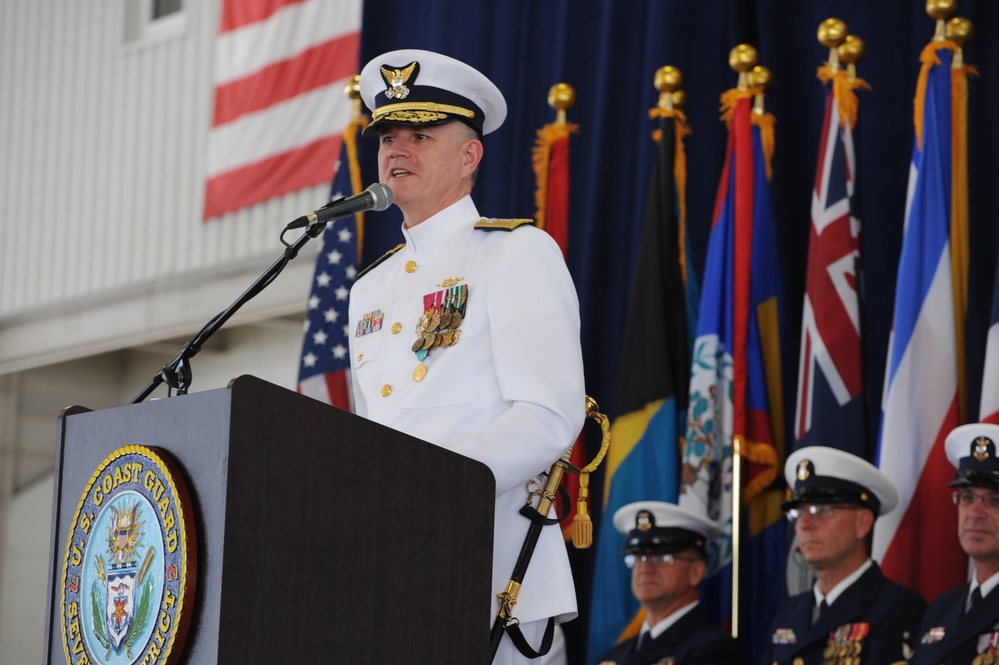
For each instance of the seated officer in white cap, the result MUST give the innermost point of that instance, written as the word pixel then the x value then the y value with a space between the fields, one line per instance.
pixel 962 625
pixel 853 615
pixel 666 553
pixel 477 343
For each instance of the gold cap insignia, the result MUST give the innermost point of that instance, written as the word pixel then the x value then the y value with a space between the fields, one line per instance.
pixel 803 471
pixel 980 448
pixel 396 80
pixel 644 521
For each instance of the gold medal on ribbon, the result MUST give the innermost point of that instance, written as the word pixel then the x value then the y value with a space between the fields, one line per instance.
pixel 420 372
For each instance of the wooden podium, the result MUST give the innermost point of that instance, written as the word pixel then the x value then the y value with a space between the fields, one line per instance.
pixel 321 537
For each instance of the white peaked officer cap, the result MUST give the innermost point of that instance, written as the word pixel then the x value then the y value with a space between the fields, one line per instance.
pixel 818 474
pixel 972 449
pixel 663 527
pixel 413 87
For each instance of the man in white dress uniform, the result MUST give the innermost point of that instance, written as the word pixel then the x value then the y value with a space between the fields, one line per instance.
pixel 467 335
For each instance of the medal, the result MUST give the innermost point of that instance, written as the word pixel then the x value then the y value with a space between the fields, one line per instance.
pixel 419 372
pixel 438 326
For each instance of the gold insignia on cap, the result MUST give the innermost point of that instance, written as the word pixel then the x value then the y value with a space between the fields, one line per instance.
pixel 863 496
pixel 644 520
pixel 803 472
pixel 980 448
pixel 396 80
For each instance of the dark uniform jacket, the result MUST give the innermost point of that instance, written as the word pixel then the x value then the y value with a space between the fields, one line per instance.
pixel 948 637
pixel 874 620
pixel 692 640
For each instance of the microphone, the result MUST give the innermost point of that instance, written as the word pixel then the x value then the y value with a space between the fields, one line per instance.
pixel 376 197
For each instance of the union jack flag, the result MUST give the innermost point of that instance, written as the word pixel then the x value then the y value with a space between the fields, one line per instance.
pixel 830 375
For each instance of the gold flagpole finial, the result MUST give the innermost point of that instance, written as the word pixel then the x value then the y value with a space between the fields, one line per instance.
pixel 940 11
pixel 742 59
pixel 561 97
pixel 960 31
pixel 832 33
pixel 679 98
pixel 668 81
pixel 759 79
pixel 851 51
pixel 352 89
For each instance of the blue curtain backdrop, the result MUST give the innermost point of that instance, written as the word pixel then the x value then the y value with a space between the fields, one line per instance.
pixel 608 50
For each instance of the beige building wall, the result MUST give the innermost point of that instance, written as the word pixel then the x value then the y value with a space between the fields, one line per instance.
pixel 106 266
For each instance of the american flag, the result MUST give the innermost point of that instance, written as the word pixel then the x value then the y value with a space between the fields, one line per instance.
pixel 280 70
pixel 830 376
pixel 323 373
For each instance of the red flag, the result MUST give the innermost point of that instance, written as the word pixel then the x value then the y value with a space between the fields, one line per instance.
pixel 551 169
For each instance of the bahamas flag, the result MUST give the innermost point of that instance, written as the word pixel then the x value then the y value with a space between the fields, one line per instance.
pixel 924 395
pixel 642 462
pixel 735 385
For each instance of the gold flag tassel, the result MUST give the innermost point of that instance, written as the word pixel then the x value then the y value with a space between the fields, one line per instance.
pixel 358 123
pixel 848 49
pixel 582 525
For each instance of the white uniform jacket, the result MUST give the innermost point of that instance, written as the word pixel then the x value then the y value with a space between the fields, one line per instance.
pixel 509 393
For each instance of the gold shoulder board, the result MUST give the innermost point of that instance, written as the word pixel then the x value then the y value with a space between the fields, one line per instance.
pixel 502 224
pixel 374 264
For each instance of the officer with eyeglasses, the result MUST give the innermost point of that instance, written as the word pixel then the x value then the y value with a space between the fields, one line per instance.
pixel 962 625
pixel 665 550
pixel 853 615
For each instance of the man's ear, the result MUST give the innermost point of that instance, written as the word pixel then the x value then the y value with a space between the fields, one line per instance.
pixel 865 522
pixel 697 571
pixel 471 156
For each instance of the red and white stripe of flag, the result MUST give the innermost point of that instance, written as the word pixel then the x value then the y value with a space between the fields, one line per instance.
pixel 279 113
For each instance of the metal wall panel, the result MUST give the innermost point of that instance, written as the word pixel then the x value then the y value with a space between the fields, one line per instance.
pixel 103 144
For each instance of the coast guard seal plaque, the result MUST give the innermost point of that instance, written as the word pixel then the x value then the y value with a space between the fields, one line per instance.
pixel 129 571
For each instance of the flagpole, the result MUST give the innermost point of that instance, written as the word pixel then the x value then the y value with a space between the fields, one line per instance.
pixel 741 59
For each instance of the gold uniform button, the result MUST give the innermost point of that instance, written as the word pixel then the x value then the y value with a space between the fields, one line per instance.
pixel 386 390
pixel 396 327
pixel 410 266
pixel 359 356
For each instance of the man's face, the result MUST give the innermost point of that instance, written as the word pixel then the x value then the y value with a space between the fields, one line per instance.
pixel 830 534
pixel 978 523
pixel 659 583
pixel 428 167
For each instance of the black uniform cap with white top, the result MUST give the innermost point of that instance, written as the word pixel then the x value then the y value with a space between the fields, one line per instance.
pixel 972 449
pixel 818 474
pixel 663 528
pixel 414 87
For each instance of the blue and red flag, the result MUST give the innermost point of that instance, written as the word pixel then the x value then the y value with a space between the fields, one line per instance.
pixel 642 461
pixel 829 409
pixel 923 393
pixel 324 368
pixel 735 384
